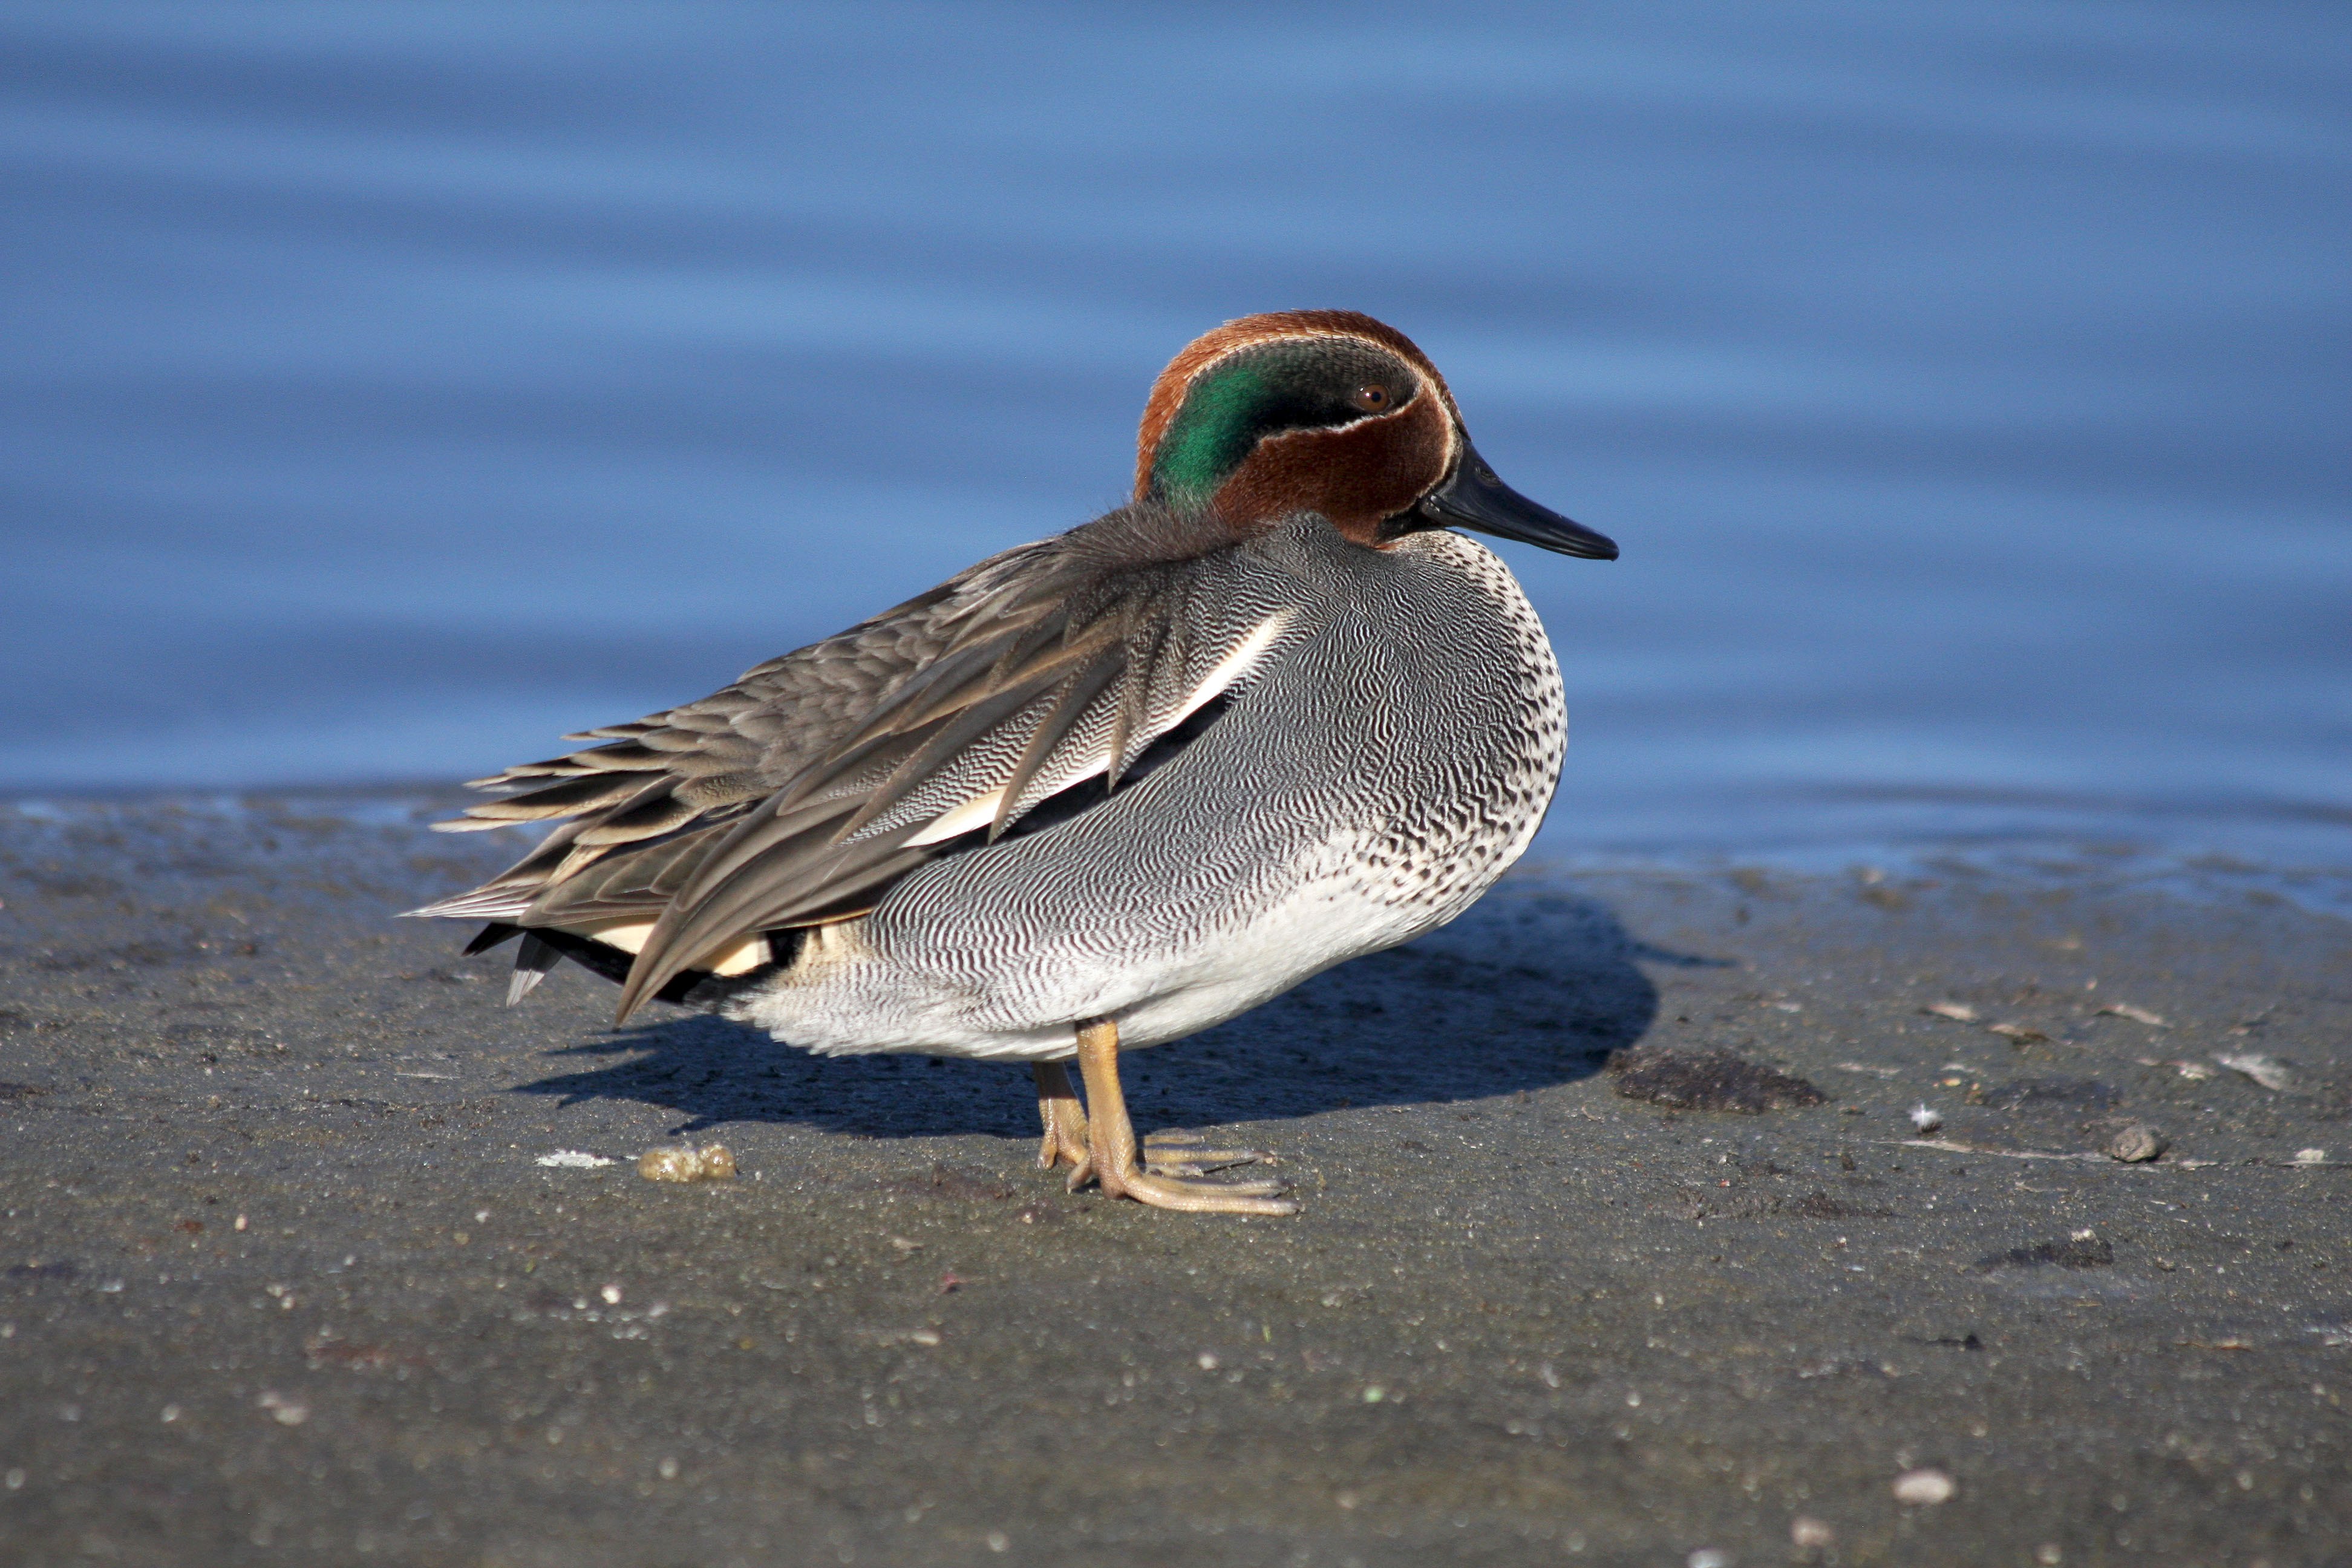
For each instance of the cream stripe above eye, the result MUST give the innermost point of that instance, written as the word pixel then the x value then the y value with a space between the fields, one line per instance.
pixel 980 810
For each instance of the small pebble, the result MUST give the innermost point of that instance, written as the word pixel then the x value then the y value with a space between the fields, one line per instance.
pixel 669 1165
pixel 674 1164
pixel 286 1412
pixel 1811 1533
pixel 1925 1119
pixel 1923 1488
pixel 2135 1145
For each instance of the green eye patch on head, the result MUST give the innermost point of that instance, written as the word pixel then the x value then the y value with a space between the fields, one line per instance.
pixel 1299 384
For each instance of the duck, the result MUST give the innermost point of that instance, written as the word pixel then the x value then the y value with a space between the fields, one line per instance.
pixel 1101 791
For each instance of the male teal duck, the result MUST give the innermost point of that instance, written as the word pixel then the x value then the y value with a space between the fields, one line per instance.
pixel 1103 790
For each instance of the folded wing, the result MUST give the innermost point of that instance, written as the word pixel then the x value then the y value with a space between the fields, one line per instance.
pixel 802 793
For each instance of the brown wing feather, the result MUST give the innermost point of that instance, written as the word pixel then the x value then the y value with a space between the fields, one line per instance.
pixel 712 758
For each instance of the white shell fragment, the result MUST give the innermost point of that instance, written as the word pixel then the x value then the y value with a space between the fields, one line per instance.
pixel 285 1411
pixel 1925 1117
pixel 2137 1014
pixel 1959 1011
pixel 2266 1070
pixel 712 1163
pixel 574 1160
pixel 1924 1488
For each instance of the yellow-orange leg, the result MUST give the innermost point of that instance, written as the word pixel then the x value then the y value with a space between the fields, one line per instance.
pixel 1065 1124
pixel 1110 1137
pixel 1166 1153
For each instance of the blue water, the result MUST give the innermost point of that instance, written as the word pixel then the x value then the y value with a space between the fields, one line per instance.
pixel 389 388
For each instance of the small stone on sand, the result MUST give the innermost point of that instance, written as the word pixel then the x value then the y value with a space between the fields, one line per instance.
pixel 285 1411
pixel 714 1162
pixel 1707 1081
pixel 1923 1488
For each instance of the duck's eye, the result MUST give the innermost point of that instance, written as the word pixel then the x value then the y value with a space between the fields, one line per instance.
pixel 1372 397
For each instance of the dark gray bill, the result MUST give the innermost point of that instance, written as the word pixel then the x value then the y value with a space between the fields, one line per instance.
pixel 1474 498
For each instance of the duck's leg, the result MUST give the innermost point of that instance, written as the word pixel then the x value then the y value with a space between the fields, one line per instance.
pixel 1111 1139
pixel 1065 1124
pixel 1165 1154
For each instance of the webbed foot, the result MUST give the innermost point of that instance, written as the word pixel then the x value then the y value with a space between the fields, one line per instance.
pixel 1173 1152
pixel 1110 1137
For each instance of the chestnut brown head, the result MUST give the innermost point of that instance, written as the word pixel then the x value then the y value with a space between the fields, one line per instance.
pixel 1333 412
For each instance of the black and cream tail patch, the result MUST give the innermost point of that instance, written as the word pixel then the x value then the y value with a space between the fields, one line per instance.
pixel 532 962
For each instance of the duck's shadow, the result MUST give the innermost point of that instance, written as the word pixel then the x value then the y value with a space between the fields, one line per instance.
pixel 1532 989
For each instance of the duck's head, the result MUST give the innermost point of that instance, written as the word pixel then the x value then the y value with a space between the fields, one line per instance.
pixel 1335 412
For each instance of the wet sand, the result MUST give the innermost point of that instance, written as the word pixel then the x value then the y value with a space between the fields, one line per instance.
pixel 284 1275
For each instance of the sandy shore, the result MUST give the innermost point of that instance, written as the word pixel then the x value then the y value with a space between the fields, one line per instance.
pixel 284 1273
